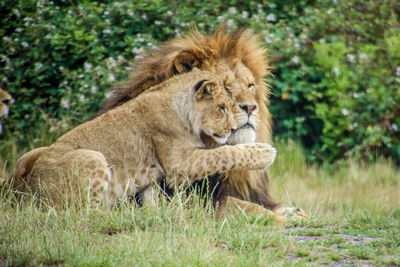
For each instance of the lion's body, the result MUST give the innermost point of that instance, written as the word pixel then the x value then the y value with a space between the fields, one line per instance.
pixel 157 134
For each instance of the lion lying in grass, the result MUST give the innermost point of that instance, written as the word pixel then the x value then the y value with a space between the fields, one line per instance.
pixel 239 58
pixel 155 135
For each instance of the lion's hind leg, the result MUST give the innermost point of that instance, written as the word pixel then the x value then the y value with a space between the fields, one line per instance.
pixel 85 173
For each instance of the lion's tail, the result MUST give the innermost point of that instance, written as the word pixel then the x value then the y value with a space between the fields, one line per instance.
pixel 24 165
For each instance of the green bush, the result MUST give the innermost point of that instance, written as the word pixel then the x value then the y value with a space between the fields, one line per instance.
pixel 339 72
pixel 336 64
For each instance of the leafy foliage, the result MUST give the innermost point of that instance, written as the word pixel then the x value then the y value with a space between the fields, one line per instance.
pixel 336 63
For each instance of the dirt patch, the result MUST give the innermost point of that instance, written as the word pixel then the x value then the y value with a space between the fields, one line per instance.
pixel 336 242
pixel 315 234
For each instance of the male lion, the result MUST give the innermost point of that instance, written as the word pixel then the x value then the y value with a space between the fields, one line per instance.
pixel 5 101
pixel 155 135
pixel 240 60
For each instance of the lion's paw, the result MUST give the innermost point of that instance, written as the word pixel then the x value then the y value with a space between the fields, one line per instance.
pixel 262 154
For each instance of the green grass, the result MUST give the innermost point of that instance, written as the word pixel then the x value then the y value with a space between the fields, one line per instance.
pixel 354 219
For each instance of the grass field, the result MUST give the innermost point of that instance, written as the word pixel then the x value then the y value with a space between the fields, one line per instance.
pixel 354 219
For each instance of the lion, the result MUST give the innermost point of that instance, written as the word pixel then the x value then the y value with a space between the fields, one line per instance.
pixel 157 134
pixel 240 58
pixel 5 101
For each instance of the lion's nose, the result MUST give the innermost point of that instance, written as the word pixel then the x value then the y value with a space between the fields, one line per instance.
pixel 248 108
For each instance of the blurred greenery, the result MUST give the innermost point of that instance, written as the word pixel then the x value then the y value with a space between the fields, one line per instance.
pixel 336 64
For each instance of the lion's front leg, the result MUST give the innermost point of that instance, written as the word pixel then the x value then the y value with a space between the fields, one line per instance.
pixel 196 163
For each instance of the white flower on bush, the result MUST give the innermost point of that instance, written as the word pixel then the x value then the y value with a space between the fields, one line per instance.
pixel 345 112
pixel 270 38
pixel 38 66
pixel 137 50
pixel 82 98
pixel 93 89
pixel 131 13
pixel 110 78
pixel 355 95
pixel 107 31
pixel 245 15
pixel 232 10
pixel 111 63
pixel 351 58
pixel 230 23
pixel 158 22
pixel 139 38
pixel 329 11
pixel 363 56
pixel 398 71
pixel 87 66
pixel 271 17
pixel 62 124
pixel 353 126
pixel 295 60
pixel 394 127
pixel 17 13
pixel 120 60
pixel 336 71
pixel 108 95
pixel 65 103
pixel 4 58
pixel 221 18
pixel 303 37
pixel 144 16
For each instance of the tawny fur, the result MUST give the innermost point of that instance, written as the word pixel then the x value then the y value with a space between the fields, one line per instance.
pixel 157 134
pixel 239 55
pixel 219 52
pixel 5 101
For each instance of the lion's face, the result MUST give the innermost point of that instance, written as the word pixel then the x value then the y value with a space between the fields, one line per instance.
pixel 215 107
pixel 5 101
pixel 240 84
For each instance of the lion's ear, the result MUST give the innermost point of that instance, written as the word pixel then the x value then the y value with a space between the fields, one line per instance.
pixel 185 62
pixel 204 88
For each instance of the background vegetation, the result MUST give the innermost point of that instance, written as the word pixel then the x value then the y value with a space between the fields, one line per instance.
pixel 336 64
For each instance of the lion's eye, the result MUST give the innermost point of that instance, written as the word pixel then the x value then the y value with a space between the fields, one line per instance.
pixel 222 107
pixel 250 85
